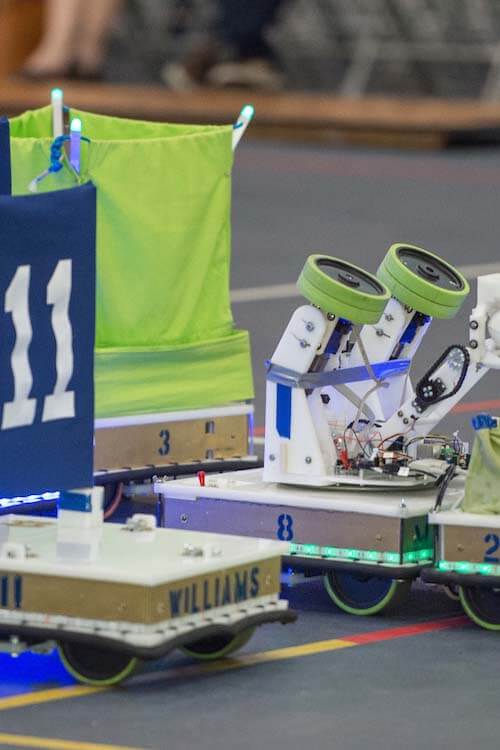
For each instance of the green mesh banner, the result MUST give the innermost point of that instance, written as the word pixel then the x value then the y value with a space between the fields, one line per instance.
pixel 482 488
pixel 165 338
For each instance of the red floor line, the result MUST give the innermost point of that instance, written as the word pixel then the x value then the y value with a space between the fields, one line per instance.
pixel 404 631
pixel 476 406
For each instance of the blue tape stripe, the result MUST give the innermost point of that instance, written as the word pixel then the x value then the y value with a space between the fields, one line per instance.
pixel 75 501
pixel 283 410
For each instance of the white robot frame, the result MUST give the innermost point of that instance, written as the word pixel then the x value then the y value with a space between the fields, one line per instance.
pixel 360 520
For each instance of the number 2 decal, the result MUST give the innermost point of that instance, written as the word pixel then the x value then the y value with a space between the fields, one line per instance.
pixel 60 404
pixel 489 555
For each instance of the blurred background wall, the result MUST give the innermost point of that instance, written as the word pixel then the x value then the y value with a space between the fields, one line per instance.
pixel 444 48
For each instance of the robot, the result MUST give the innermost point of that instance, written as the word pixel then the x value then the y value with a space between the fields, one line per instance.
pixel 111 596
pixel 323 389
pixel 351 470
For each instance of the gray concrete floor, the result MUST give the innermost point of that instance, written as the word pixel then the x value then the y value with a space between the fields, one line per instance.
pixel 427 690
pixel 291 201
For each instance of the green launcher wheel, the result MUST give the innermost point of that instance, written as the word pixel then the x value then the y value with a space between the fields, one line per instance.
pixel 343 289
pixel 423 281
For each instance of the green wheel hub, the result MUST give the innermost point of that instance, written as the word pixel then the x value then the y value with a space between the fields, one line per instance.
pixel 210 649
pixel 364 594
pixel 343 289
pixel 96 666
pixel 423 281
pixel 482 605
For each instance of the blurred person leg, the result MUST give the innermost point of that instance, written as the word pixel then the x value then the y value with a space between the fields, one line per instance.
pixel 99 17
pixel 74 38
pixel 241 34
pixel 54 54
pixel 252 62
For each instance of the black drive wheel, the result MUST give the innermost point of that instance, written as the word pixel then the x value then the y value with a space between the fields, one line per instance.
pixel 217 647
pixel 482 605
pixel 96 666
pixel 363 594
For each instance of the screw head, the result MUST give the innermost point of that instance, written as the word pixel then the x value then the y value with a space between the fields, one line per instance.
pixel 330 316
pixel 308 460
pixel 272 457
pixel 406 420
pixel 473 344
pixel 474 325
pixel 309 326
pixel 400 413
pixel 389 317
pixel 184 518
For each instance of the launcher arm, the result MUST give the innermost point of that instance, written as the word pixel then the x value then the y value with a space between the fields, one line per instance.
pixel 454 374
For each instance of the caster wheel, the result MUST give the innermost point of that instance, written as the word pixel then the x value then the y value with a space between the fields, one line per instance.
pixel 482 605
pixel 342 289
pixel 96 666
pixel 362 594
pixel 423 281
pixel 210 649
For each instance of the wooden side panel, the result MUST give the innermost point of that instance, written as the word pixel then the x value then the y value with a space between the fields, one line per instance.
pixel 20 29
pixel 471 544
pixel 298 525
pixel 161 443
pixel 124 602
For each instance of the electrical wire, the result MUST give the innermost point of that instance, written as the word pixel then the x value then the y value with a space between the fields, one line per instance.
pixel 395 435
pixel 112 507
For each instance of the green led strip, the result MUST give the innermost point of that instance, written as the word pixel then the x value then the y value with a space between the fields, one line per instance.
pixel 484 569
pixel 360 555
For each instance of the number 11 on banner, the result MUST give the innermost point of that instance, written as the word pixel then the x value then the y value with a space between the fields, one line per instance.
pixel 60 404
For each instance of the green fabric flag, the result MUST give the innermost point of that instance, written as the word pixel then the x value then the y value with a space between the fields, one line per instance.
pixel 165 338
pixel 482 487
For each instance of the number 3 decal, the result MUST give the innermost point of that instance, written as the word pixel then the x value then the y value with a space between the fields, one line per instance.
pixel 60 404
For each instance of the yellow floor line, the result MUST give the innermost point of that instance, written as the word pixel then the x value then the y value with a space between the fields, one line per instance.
pixel 46 696
pixel 46 743
pixel 247 660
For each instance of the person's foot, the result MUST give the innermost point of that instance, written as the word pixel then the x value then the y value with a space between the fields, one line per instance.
pixel 44 64
pixel 257 73
pixel 193 71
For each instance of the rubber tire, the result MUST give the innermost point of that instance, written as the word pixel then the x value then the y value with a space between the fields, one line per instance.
pixel 396 593
pixel 451 592
pixel 414 291
pixel 339 299
pixel 210 649
pixel 468 596
pixel 80 660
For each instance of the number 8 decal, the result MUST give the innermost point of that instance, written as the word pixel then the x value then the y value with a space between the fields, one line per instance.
pixel 60 404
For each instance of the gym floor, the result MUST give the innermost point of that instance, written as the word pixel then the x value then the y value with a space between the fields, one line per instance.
pixel 422 676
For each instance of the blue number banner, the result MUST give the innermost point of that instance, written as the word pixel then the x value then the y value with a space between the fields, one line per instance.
pixel 47 329
pixel 5 175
